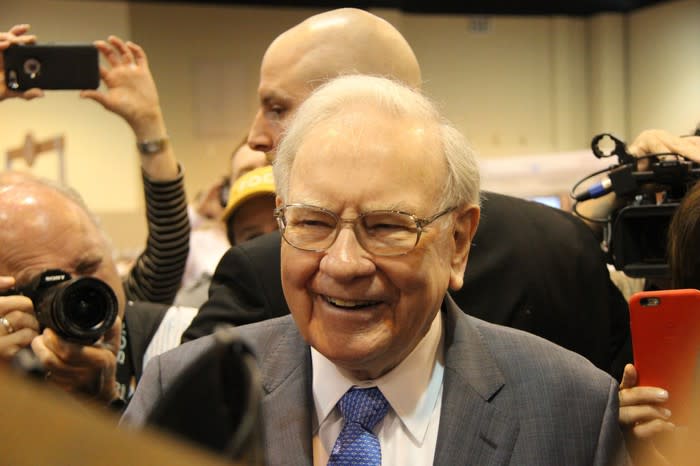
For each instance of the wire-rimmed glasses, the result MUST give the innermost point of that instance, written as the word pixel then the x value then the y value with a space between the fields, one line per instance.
pixel 379 232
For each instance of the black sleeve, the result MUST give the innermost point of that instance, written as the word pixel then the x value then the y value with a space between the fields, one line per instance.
pixel 246 288
pixel 157 275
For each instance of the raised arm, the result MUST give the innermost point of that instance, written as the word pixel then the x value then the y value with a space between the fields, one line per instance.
pixel 132 94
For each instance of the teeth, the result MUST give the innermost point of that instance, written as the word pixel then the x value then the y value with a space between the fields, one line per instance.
pixel 343 303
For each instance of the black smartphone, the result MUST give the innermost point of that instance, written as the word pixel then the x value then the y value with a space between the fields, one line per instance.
pixel 51 67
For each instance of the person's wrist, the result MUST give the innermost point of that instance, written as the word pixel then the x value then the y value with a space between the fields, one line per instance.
pixel 148 126
pixel 152 146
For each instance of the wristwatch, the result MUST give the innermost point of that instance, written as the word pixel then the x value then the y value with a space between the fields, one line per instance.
pixel 153 146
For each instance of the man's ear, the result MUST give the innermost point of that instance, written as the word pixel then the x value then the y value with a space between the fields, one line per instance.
pixel 279 202
pixel 466 223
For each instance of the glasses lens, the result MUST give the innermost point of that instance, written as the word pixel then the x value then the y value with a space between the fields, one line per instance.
pixel 309 228
pixel 388 233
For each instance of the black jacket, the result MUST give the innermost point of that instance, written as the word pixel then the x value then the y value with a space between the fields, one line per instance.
pixel 531 267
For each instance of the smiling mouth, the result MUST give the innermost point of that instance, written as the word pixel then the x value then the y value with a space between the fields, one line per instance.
pixel 345 304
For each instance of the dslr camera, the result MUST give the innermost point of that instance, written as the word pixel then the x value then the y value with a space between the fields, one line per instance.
pixel 80 309
pixel 635 234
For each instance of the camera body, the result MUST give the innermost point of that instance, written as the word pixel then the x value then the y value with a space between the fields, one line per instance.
pixel 637 236
pixel 80 309
pixel 636 233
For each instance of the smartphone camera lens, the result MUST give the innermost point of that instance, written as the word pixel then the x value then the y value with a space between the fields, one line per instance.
pixel 12 80
pixel 32 66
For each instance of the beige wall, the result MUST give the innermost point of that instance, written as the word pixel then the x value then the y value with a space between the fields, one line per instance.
pixel 664 67
pixel 516 86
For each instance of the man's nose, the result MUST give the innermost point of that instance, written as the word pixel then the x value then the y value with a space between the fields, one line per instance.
pixel 346 258
pixel 261 136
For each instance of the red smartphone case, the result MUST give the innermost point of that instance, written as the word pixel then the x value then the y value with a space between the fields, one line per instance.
pixel 665 327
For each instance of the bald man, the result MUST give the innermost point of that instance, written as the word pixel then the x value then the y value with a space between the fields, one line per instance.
pixel 46 226
pixel 531 267
pixel 40 229
pixel 326 45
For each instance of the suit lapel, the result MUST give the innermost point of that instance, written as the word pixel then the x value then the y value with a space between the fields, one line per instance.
pixel 287 405
pixel 472 430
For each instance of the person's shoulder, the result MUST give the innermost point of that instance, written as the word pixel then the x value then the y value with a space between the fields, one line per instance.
pixel 527 209
pixel 257 334
pixel 266 335
pixel 264 243
pixel 262 250
pixel 534 221
pixel 185 353
pixel 522 354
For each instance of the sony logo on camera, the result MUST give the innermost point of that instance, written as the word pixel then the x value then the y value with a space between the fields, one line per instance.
pixel 59 277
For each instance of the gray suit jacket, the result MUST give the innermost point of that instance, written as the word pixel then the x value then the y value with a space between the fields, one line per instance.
pixel 509 397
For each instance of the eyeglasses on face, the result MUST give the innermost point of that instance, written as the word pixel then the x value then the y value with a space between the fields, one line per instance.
pixel 379 232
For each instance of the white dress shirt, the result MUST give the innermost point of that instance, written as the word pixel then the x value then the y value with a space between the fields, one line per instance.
pixel 169 332
pixel 408 433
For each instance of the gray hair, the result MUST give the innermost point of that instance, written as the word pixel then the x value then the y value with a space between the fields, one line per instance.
pixel 397 100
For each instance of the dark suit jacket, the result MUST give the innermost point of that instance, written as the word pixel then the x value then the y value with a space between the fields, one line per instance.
pixel 531 267
pixel 508 398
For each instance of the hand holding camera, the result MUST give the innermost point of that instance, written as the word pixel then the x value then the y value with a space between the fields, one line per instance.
pixel 17 35
pixel 657 141
pixel 79 325
pixel 18 324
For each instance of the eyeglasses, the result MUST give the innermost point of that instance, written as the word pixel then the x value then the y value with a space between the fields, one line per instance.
pixel 380 232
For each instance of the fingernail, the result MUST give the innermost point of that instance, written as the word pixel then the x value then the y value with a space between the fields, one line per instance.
pixel 666 412
pixel 662 395
pixel 6 281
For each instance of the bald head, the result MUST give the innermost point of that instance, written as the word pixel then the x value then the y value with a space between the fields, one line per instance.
pixel 45 226
pixel 346 41
pixel 324 46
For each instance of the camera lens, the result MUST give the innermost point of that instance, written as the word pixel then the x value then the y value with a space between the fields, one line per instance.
pixel 85 308
pixel 32 66
pixel 80 310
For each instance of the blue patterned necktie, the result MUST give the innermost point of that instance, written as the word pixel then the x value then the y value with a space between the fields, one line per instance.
pixel 362 409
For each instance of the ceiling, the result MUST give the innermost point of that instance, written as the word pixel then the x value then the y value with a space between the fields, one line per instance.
pixel 485 7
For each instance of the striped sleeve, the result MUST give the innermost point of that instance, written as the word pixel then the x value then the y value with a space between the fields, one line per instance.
pixel 157 274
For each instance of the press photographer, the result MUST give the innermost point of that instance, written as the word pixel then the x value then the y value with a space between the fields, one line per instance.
pixel 632 204
pixel 45 227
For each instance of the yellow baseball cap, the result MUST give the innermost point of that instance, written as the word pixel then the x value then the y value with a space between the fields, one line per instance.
pixel 258 182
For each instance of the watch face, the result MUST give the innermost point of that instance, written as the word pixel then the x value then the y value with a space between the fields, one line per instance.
pixel 152 147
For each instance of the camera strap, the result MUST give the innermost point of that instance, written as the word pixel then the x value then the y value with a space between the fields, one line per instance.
pixel 126 375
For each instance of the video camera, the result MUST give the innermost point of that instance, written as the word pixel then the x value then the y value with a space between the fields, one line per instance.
pixel 80 310
pixel 635 234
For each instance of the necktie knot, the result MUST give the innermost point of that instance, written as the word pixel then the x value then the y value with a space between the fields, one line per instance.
pixel 362 409
pixel 365 406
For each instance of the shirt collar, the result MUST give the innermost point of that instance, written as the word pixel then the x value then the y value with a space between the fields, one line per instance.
pixel 412 388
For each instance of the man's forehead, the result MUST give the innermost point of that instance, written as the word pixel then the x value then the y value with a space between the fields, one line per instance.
pixel 363 133
pixel 286 83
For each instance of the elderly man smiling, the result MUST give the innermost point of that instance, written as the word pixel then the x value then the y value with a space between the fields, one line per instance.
pixel 378 204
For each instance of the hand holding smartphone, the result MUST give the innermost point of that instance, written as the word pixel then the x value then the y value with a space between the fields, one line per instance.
pixel 51 67
pixel 665 327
